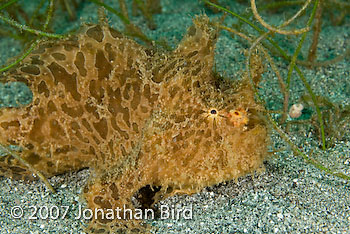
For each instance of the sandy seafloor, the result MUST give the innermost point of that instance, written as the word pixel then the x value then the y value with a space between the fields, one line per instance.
pixel 290 196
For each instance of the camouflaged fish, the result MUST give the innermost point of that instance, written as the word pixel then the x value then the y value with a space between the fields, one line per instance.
pixel 141 119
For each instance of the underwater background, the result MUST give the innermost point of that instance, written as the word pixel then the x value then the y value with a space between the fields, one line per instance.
pixel 290 196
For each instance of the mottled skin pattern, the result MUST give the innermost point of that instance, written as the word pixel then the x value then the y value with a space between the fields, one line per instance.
pixel 136 116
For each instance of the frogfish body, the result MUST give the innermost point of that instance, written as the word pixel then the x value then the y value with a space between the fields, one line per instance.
pixel 139 118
